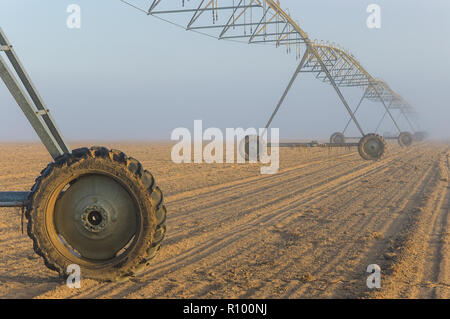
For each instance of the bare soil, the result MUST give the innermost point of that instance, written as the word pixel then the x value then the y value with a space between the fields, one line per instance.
pixel 309 231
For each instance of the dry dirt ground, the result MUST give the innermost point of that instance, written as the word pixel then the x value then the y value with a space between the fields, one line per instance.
pixel 309 231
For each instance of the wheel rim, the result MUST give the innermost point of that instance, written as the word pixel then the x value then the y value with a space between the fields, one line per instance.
pixel 338 138
pixel 373 147
pixel 95 218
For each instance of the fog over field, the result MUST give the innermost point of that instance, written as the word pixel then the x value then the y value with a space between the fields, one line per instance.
pixel 127 76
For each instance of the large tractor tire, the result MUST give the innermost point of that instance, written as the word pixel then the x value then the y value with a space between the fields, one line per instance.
pixel 337 138
pixel 372 147
pixel 405 139
pixel 98 209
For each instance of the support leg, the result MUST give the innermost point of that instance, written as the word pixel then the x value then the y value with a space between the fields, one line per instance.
pixel 288 88
pixel 381 121
pixel 354 113
pixel 338 91
pixel 409 122
pixel 387 109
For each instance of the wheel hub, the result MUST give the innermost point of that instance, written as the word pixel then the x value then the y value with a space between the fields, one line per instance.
pixel 373 148
pixel 406 140
pixel 337 138
pixel 96 217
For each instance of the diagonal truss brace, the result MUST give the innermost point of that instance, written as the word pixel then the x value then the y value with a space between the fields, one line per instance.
pixel 312 52
pixel 356 110
pixel 383 101
pixel 32 104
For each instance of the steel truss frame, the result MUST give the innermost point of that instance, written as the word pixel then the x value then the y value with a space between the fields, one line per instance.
pixel 396 102
pixel 381 92
pixel 32 104
pixel 27 97
pixel 265 22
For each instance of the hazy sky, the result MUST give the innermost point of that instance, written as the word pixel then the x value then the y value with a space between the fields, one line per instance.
pixel 125 75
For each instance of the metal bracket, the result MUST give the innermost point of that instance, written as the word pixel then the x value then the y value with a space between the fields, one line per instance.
pixel 43 112
pixel 13 199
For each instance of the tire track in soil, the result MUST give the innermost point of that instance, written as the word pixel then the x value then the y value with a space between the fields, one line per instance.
pixel 434 281
pixel 422 269
pixel 404 202
pixel 315 176
pixel 239 200
pixel 354 227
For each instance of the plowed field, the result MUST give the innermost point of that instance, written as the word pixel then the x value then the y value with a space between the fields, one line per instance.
pixel 309 231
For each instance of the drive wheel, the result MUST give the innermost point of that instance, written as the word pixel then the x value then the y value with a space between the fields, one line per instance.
pixel 372 147
pixel 405 139
pixel 251 147
pixel 98 209
pixel 337 138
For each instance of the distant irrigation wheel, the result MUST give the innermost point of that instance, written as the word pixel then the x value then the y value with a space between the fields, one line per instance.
pixel 372 147
pixel 419 136
pixel 405 139
pixel 96 208
pixel 251 147
pixel 337 138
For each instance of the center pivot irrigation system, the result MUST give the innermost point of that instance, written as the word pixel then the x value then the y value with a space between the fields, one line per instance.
pixel 265 22
pixel 99 208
